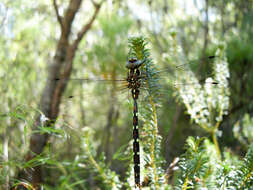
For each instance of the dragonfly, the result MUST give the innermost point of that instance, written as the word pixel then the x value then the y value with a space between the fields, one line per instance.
pixel 135 82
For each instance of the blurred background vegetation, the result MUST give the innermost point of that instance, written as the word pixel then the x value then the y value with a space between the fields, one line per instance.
pixel 49 141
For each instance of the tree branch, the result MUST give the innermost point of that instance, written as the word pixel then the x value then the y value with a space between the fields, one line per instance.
pixel 69 16
pixel 87 26
pixel 59 18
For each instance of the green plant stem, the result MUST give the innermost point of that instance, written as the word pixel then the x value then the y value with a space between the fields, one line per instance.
pixel 152 147
pixel 216 144
pixel 185 183
pixel 96 165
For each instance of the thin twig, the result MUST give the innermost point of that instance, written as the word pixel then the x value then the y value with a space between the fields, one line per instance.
pixel 87 26
pixel 59 18
pixel 94 3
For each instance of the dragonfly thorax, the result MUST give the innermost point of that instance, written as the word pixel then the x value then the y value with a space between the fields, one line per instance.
pixel 134 82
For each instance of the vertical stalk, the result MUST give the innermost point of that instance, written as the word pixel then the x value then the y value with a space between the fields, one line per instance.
pixel 153 142
pixel 99 169
pixel 185 183
pixel 216 144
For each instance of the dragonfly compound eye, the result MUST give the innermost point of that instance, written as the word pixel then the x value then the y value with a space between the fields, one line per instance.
pixel 133 63
pixel 132 60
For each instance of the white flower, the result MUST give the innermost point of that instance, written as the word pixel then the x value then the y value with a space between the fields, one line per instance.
pixel 43 118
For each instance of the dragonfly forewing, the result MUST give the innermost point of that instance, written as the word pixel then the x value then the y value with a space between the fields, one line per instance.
pixel 178 75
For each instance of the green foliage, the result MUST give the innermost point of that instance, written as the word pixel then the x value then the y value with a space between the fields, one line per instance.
pixel 243 130
pixel 200 168
pixel 109 178
pixel 241 176
pixel 205 103
pixel 194 164
pixel 109 54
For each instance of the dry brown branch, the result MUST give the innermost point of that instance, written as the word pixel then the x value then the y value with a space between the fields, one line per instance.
pixel 69 16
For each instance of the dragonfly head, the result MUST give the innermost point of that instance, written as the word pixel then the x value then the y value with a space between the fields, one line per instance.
pixel 133 63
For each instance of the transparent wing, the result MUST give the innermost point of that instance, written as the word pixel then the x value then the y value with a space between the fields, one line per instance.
pixel 92 86
pixel 177 75
pixel 189 64
pixel 88 98
pixel 188 73
pixel 191 72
